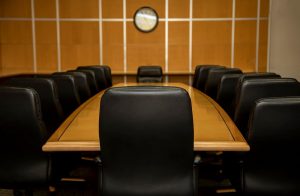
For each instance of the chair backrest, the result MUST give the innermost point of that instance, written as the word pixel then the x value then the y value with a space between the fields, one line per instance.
pixel 81 84
pixel 47 90
pixel 256 75
pixel 91 79
pixel 226 92
pixel 196 73
pixel 149 74
pixel 230 84
pixel 272 165
pixel 108 74
pixel 146 139
pixel 253 89
pixel 202 75
pixel 102 74
pixel 213 80
pixel 23 133
pixel 67 92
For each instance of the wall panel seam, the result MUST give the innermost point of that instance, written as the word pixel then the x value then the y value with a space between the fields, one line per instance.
pixel 58 37
pixel 100 32
pixel 233 34
pixel 127 19
pixel 257 35
pixel 166 38
pixel 269 36
pixel 190 39
pixel 124 38
pixel 33 36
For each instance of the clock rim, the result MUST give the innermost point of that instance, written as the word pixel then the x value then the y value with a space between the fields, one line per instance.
pixel 134 19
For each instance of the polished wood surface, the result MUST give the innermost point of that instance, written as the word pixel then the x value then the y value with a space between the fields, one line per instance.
pixel 46 50
pixel 78 9
pixel 178 46
pixel 145 48
pixel 16 47
pixel 113 53
pixel 211 43
pixel 112 8
pixel 82 32
pixel 245 48
pixel 79 44
pixel 212 8
pixel 263 46
pixel 246 8
pixel 213 129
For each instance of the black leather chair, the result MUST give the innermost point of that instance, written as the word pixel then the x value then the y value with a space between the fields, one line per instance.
pixel 213 80
pixel 196 73
pixel 253 89
pixel 256 75
pixel 144 153
pixel 102 74
pixel 226 92
pixel 108 74
pixel 47 90
pixel 81 84
pixel 91 79
pixel 201 77
pixel 228 88
pixel 149 74
pixel 67 92
pixel 272 165
pixel 23 164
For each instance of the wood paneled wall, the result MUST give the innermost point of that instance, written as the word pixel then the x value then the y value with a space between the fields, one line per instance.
pixel 58 35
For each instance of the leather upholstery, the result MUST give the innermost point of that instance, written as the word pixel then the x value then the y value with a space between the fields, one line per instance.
pixel 202 74
pixel 108 75
pixel 102 74
pixel 196 74
pixel 228 88
pixel 81 84
pixel 149 74
pixel 146 138
pixel 23 164
pixel 253 89
pixel 214 77
pixel 256 75
pixel 226 92
pixel 67 92
pixel 91 79
pixel 195 77
pixel 47 91
pixel 272 165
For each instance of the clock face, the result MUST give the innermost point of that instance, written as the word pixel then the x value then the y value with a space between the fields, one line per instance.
pixel 145 19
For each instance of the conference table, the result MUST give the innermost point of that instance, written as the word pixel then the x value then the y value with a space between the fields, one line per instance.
pixel 213 128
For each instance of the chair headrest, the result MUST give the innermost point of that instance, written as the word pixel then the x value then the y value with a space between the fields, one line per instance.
pixel 150 71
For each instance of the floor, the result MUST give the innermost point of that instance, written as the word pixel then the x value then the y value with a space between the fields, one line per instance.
pixel 212 182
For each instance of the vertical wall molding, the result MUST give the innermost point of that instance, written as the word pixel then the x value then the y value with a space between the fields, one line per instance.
pixel 100 33
pixel 269 35
pixel 124 40
pixel 190 40
pixel 33 36
pixel 257 36
pixel 232 33
pixel 166 38
pixel 58 36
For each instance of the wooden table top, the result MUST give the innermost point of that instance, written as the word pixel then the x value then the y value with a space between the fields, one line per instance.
pixel 213 128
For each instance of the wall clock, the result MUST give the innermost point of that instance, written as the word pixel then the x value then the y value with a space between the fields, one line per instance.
pixel 145 19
